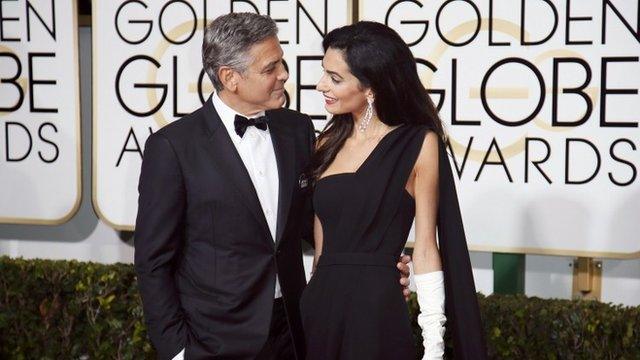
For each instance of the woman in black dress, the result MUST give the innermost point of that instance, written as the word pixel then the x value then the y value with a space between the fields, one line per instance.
pixel 380 162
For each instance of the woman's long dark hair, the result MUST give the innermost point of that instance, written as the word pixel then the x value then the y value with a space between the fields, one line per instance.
pixel 378 57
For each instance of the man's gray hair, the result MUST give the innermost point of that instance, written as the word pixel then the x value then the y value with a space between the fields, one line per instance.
pixel 227 41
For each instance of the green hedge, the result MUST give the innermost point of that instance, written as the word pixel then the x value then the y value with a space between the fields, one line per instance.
pixel 71 310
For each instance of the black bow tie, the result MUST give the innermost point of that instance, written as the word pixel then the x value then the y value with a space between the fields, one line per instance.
pixel 241 123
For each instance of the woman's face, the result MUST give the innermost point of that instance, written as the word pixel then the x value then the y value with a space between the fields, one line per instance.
pixel 342 91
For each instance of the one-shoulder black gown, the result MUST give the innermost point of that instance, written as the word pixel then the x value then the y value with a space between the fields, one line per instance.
pixel 353 307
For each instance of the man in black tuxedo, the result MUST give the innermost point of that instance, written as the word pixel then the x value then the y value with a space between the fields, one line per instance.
pixel 223 206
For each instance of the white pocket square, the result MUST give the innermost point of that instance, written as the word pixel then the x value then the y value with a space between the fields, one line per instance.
pixel 303 182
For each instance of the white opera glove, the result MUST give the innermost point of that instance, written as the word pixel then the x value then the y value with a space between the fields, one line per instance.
pixel 430 289
pixel 179 356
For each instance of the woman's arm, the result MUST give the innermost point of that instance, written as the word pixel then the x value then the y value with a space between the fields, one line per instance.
pixel 426 257
pixel 428 278
pixel 317 238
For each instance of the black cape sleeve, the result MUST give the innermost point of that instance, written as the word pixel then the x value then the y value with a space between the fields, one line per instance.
pixel 461 304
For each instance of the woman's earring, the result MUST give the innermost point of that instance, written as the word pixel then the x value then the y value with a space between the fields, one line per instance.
pixel 368 115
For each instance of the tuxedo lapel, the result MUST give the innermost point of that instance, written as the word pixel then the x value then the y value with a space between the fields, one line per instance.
pixel 284 149
pixel 226 158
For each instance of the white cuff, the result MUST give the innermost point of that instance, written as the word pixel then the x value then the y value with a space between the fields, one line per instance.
pixel 179 356
pixel 430 290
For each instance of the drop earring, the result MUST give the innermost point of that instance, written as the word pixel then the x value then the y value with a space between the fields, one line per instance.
pixel 368 115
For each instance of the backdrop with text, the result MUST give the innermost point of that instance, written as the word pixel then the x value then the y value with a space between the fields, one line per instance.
pixel 39 112
pixel 147 72
pixel 541 104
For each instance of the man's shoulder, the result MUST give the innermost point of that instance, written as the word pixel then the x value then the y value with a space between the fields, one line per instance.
pixel 290 117
pixel 288 113
pixel 182 128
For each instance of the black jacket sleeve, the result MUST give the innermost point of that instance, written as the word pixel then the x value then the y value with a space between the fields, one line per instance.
pixel 158 240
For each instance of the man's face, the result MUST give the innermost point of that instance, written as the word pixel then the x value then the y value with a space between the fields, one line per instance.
pixel 261 87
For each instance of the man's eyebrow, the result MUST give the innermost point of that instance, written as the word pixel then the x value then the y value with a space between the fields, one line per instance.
pixel 273 63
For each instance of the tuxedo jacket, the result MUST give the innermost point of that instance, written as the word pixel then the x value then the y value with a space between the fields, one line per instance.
pixel 204 256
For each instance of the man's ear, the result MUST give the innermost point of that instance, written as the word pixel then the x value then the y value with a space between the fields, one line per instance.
pixel 229 78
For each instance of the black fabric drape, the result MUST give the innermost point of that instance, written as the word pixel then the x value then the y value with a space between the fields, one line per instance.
pixel 461 304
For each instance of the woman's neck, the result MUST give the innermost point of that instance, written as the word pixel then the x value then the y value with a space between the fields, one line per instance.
pixel 375 128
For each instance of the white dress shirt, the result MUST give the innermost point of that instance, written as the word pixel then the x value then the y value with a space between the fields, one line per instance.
pixel 259 158
pixel 256 151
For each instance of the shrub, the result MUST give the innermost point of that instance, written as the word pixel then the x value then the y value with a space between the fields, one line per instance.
pixel 78 310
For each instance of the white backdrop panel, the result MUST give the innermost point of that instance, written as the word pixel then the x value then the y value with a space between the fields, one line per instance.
pixel 543 165
pixel 39 112
pixel 147 72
